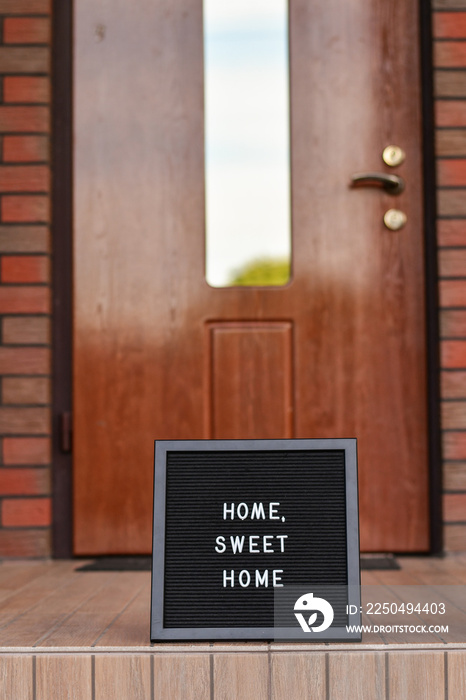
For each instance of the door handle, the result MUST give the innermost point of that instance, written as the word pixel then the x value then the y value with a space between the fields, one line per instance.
pixel 393 184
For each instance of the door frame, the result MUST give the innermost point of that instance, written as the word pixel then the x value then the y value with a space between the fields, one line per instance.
pixel 62 304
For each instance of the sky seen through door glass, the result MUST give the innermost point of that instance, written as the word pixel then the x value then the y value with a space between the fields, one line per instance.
pixel 247 155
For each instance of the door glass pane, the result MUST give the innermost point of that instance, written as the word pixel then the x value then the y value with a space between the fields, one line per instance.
pixel 247 155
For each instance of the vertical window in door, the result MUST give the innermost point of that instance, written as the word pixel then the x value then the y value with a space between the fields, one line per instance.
pixel 247 152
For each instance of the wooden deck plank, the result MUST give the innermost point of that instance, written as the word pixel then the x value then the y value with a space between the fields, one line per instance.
pixel 434 571
pixel 455 604
pixel 421 564
pixel 300 676
pixel 429 599
pixel 90 620
pixel 180 677
pixel 456 675
pixel 31 628
pixel 368 578
pixel 369 581
pixel 18 579
pixel 25 597
pixel 370 637
pixel 454 599
pixel 358 675
pixel 395 578
pixel 132 627
pixel 123 676
pixel 378 595
pixel 438 578
pixel 60 608
pixel 241 676
pixel 14 577
pixel 454 569
pixel 416 675
pixel 63 676
pixel 16 677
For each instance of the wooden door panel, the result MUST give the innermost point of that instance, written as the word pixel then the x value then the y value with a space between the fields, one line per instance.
pixel 138 165
pixel 250 380
pixel 338 352
pixel 355 89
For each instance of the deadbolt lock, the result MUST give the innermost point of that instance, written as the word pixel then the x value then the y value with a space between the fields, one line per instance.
pixel 394 219
pixel 393 156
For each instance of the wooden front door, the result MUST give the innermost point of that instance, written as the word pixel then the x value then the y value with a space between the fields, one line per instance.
pixel 338 352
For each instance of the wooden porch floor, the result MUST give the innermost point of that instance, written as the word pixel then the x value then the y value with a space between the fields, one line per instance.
pixel 70 634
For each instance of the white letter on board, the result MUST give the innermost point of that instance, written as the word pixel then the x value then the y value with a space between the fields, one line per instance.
pixel 221 546
pixel 282 544
pixel 258 511
pixel 248 578
pixel 264 580
pixel 243 508
pixel 237 543
pixel 228 578
pixel 227 510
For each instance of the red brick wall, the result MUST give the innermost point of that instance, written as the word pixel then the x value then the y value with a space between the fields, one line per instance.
pixel 24 269
pixel 25 512
pixel 449 24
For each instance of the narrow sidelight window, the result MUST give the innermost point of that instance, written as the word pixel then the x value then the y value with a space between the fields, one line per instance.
pixel 247 152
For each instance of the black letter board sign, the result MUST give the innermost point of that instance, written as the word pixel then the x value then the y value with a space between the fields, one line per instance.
pixel 255 539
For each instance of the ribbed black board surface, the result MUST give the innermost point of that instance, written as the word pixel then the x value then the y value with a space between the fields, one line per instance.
pixel 310 488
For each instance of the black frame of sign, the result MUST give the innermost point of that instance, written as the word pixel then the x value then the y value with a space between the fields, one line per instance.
pixel 162 633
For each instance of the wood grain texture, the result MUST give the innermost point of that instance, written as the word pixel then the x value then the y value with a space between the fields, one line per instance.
pixel 392 635
pixel 251 375
pixel 16 677
pixel 182 677
pixel 29 592
pixel 416 675
pixel 95 609
pixel 364 674
pixel 139 212
pixel 241 676
pixel 356 300
pixel 240 671
pixel 60 677
pixel 50 609
pixel 132 626
pixel 16 576
pixel 98 612
pixel 456 675
pixel 125 676
pixel 298 676
pixel 367 346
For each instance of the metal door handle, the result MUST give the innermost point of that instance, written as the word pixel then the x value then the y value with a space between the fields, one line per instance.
pixel 393 184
